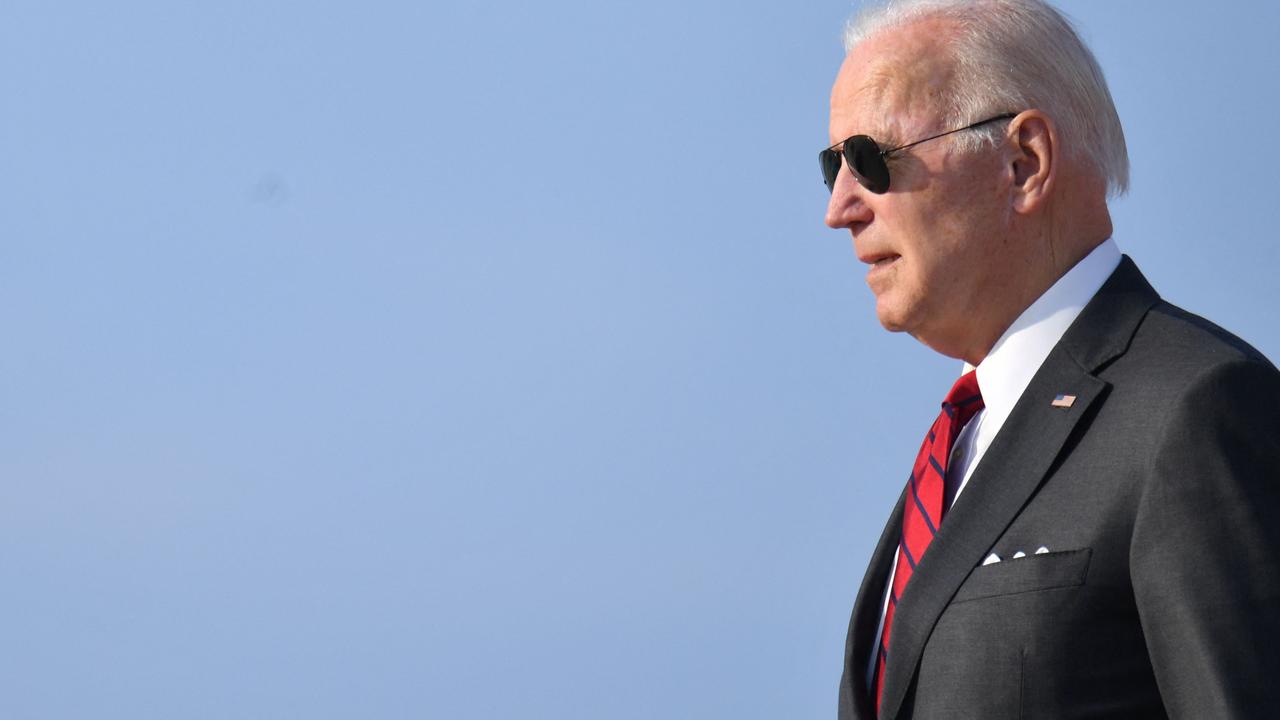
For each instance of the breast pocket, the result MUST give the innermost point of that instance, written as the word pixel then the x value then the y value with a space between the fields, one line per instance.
pixel 1027 574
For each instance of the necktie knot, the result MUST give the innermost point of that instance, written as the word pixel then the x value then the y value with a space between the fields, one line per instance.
pixel 964 401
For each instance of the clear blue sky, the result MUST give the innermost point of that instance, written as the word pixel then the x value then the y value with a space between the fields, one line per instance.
pixel 478 360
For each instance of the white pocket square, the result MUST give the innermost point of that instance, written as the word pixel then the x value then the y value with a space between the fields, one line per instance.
pixel 993 558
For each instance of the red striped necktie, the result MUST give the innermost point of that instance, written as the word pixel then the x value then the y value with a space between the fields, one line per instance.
pixel 922 511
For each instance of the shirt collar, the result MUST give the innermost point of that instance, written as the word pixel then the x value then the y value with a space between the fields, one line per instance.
pixel 1007 370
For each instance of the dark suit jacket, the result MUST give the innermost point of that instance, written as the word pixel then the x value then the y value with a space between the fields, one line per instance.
pixel 1158 495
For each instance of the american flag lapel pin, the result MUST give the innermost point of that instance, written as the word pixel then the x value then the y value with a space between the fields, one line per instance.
pixel 1064 401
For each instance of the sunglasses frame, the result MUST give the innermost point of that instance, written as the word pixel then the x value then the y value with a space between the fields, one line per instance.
pixel 864 158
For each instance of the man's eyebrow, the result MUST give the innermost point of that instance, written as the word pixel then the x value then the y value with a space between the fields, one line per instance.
pixel 887 139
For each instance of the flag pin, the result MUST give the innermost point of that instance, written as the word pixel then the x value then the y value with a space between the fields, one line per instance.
pixel 1064 401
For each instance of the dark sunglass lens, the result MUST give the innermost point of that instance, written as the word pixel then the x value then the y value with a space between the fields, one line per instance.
pixel 863 155
pixel 830 162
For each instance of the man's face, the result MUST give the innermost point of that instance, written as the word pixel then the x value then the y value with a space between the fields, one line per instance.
pixel 935 241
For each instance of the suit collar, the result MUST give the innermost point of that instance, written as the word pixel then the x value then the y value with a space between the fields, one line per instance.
pixel 1106 327
pixel 1014 467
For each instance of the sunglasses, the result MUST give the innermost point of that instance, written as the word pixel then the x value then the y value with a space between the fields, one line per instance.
pixel 867 161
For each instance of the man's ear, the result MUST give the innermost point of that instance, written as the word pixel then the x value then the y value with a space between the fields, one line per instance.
pixel 1033 138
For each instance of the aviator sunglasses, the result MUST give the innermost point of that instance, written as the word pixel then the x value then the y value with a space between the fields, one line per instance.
pixel 867 161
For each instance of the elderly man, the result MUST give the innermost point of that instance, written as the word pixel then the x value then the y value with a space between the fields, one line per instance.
pixel 1092 526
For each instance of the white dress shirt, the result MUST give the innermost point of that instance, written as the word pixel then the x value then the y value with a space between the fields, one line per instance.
pixel 1007 370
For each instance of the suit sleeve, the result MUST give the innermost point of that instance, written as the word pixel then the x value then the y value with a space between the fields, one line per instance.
pixel 1205 553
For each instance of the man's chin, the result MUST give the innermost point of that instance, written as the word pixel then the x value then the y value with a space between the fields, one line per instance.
pixel 893 327
pixel 891 318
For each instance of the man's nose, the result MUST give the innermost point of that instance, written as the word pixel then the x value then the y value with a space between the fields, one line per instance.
pixel 847 205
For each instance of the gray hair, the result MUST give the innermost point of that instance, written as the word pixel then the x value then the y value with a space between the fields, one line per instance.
pixel 1014 55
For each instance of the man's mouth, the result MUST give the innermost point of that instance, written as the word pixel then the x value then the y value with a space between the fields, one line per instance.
pixel 880 260
pixel 880 265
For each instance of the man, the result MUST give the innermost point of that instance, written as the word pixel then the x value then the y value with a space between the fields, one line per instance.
pixel 1092 526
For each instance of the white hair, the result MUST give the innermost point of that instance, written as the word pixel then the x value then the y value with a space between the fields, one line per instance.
pixel 1014 55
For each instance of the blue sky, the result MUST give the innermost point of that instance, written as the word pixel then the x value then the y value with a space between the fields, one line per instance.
pixel 464 360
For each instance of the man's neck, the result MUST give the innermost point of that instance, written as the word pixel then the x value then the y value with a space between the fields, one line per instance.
pixel 1038 280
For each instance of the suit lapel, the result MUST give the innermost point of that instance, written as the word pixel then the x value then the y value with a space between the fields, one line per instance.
pixel 866 617
pixel 1013 468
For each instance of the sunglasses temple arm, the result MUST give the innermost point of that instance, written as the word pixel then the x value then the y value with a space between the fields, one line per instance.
pixel 1006 116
